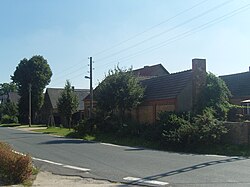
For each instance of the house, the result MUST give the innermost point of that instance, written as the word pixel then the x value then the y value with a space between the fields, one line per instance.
pixel 150 71
pixel 239 85
pixel 49 110
pixel 172 92
pixel 146 72
pixel 169 92
pixel 12 96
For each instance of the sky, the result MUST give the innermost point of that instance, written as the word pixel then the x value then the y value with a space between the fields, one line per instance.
pixel 127 33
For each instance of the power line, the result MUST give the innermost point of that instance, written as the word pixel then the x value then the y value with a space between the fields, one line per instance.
pixel 136 35
pixel 168 30
pixel 187 33
pixel 152 27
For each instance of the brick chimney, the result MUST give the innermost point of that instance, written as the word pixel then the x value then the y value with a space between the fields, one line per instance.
pixel 199 77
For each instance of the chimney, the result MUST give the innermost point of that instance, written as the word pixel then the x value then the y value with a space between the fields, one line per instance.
pixel 199 77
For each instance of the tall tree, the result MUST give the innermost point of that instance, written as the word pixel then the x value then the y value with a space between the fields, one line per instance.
pixel 118 92
pixel 67 103
pixel 37 73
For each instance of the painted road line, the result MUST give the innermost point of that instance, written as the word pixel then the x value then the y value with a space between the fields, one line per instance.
pixel 63 165
pixel 113 145
pixel 47 161
pixel 76 168
pixel 55 163
pixel 145 181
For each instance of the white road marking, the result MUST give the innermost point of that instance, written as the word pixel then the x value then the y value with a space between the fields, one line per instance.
pixel 113 145
pixel 219 156
pixel 76 168
pixel 145 181
pixel 47 161
pixel 56 163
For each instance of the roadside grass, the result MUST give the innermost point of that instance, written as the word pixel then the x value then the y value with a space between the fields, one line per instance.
pixel 10 125
pixel 21 125
pixel 56 131
pixel 223 149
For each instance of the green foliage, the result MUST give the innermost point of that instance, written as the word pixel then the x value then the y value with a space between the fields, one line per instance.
pixel 14 168
pixel 35 71
pixel 67 103
pixel 6 119
pixel 215 95
pixel 6 88
pixel 119 91
pixel 84 127
pixel 8 113
pixel 208 129
pixel 176 129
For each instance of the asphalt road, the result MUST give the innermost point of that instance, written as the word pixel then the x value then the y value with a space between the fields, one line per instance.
pixel 125 164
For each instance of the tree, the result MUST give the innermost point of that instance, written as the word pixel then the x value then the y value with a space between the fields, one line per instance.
pixel 6 88
pixel 214 95
pixel 35 71
pixel 8 112
pixel 118 92
pixel 67 103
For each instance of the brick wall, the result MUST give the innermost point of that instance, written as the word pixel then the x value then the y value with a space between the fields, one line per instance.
pixel 239 133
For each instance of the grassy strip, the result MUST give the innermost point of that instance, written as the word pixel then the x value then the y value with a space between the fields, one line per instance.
pixel 20 125
pixel 10 125
pixel 226 149
pixel 56 131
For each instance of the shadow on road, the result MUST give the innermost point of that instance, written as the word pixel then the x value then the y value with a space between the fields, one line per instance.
pixel 66 141
pixel 134 149
pixel 192 168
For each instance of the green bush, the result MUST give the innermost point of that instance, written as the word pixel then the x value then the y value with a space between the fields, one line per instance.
pixel 84 127
pixel 6 119
pixel 208 129
pixel 14 168
pixel 176 128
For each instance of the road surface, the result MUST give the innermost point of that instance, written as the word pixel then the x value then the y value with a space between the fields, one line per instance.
pixel 127 164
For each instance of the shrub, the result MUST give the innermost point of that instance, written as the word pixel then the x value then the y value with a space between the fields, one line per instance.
pixel 208 129
pixel 14 168
pixel 176 128
pixel 6 119
pixel 84 126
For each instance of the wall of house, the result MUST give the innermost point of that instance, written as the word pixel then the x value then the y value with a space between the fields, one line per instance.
pixel 184 99
pixel 149 110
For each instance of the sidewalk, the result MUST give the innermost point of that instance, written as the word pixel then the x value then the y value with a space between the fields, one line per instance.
pixel 46 179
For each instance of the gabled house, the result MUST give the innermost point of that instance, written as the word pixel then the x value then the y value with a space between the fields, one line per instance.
pixel 148 72
pixel 12 97
pixel 172 92
pixel 49 110
pixel 239 85
pixel 169 92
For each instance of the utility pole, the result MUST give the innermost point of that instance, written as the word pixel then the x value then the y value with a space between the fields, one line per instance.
pixel 29 104
pixel 91 88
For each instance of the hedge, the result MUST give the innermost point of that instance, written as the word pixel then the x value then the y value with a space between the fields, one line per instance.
pixel 14 168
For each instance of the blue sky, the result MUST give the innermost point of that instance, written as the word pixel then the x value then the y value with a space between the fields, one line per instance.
pixel 125 32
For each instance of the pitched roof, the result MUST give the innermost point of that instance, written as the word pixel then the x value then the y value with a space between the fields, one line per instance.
pixel 54 94
pixel 151 71
pixel 167 86
pixel 238 84
pixel 13 96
